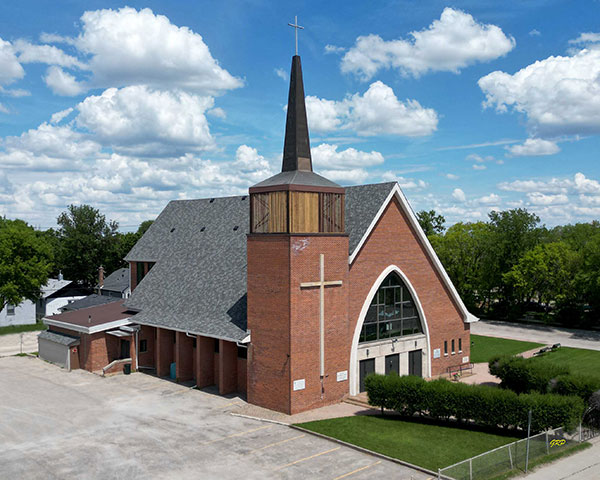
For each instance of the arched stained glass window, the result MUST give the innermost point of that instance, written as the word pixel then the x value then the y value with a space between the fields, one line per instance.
pixel 392 312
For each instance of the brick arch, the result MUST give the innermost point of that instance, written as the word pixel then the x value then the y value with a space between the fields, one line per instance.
pixel 353 367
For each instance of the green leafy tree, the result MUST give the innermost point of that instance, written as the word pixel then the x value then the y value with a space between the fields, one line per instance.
pixel 431 222
pixel 25 262
pixel 145 225
pixel 545 273
pixel 87 240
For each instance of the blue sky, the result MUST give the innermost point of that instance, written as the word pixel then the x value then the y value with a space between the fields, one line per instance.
pixel 470 106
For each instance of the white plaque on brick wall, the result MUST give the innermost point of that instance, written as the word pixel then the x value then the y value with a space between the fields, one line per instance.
pixel 465 359
pixel 436 353
pixel 341 376
pixel 299 384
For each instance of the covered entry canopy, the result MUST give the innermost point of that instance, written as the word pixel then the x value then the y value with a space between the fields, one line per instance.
pixel 54 347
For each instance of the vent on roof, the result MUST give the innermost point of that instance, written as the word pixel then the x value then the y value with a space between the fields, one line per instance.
pixel 244 198
pixel 235 228
pixel 212 200
pixel 173 229
pixel 202 229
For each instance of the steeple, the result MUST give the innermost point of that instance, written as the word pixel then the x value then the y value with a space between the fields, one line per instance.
pixel 296 148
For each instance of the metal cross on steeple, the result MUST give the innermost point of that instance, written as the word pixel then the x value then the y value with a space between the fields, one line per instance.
pixel 296 27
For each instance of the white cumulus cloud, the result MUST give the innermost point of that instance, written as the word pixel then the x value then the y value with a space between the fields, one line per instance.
pixel 559 95
pixel 451 43
pixel 459 195
pixel 10 68
pixel 327 156
pixel 534 147
pixel 63 83
pixel 376 112
pixel 538 198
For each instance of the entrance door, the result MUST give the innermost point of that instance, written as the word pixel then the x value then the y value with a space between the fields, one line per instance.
pixel 415 366
pixel 366 367
pixel 392 364
pixel 124 348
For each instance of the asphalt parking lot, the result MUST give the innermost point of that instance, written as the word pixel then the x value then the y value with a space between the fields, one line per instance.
pixel 55 425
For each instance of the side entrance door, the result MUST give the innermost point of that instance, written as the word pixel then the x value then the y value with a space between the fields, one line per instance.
pixel 366 367
pixel 415 365
pixel 392 364
pixel 124 348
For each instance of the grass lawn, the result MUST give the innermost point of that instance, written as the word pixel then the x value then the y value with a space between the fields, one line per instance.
pixel 428 445
pixel 580 361
pixel 484 348
pixel 22 328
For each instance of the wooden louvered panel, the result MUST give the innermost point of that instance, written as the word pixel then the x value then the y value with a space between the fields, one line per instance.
pixel 278 208
pixel 304 212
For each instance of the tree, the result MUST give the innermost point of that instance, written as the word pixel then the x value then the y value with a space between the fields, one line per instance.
pixel 145 225
pixel 25 262
pixel 463 250
pixel 87 241
pixel 431 222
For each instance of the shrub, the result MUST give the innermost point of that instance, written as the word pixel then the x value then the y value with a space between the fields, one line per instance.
pixel 578 385
pixel 524 375
pixel 486 406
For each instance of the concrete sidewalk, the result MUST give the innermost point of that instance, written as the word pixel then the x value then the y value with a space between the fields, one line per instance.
pixel 538 333
pixel 11 344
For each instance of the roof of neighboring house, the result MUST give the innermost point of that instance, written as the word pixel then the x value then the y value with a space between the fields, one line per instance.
pixel 117 281
pixel 92 319
pixel 201 286
pixel 89 301
pixel 53 285
pixel 61 338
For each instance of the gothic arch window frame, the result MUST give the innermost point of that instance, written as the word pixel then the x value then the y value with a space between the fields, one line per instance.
pixel 353 367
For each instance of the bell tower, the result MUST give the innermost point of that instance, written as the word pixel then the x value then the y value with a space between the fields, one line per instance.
pixel 297 278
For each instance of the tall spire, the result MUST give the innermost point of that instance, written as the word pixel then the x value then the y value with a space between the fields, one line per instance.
pixel 296 148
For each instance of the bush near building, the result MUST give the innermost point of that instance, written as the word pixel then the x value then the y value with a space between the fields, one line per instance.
pixel 481 404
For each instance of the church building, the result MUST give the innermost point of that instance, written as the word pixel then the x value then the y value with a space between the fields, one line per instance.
pixel 290 295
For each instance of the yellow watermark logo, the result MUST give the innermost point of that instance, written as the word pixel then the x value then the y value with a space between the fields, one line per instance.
pixel 557 442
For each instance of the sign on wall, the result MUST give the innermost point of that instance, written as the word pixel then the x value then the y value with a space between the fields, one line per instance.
pixel 436 353
pixel 465 359
pixel 341 376
pixel 299 384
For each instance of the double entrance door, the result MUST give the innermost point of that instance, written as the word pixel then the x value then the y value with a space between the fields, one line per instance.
pixel 392 364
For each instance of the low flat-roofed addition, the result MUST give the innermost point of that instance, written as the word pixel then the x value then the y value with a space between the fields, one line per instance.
pixel 60 338
pixel 92 319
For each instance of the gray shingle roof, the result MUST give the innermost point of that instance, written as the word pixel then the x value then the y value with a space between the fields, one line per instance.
pixel 61 338
pixel 89 301
pixel 297 177
pixel 199 281
pixel 117 281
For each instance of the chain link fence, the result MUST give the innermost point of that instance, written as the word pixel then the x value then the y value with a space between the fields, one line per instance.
pixel 514 455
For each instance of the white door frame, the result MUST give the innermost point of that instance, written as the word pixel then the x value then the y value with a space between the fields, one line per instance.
pixel 353 367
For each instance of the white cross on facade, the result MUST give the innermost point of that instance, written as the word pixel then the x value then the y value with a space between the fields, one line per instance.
pixel 296 27
pixel 321 284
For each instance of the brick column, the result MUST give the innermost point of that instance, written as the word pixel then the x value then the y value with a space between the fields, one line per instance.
pixel 227 367
pixel 184 357
pixel 205 359
pixel 164 351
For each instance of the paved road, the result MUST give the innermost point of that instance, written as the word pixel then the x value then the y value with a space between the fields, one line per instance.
pixel 581 466
pixel 538 333
pixel 11 344
pixel 57 424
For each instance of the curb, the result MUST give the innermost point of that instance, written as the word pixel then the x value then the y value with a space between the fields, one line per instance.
pixel 260 419
pixel 367 451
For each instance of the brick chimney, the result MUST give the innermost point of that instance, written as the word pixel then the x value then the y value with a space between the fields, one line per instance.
pixel 100 278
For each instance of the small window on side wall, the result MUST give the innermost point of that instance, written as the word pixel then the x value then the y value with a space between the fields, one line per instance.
pixel 10 309
pixel 460 345
pixel 143 346
pixel 453 351
pixel 445 347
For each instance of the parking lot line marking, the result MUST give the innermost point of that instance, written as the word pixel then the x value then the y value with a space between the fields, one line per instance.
pixel 357 470
pixel 237 402
pixel 307 458
pixel 277 443
pixel 239 434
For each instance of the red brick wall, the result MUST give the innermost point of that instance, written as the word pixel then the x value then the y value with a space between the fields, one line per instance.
pixel 268 380
pixel 304 325
pixel 205 359
pixel 165 349
pixel 133 275
pixel 241 375
pixel 184 357
pixel 227 367
pixel 148 359
pixel 394 242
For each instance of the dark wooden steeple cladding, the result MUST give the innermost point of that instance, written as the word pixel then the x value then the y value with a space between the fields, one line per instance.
pixel 297 200
pixel 296 148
